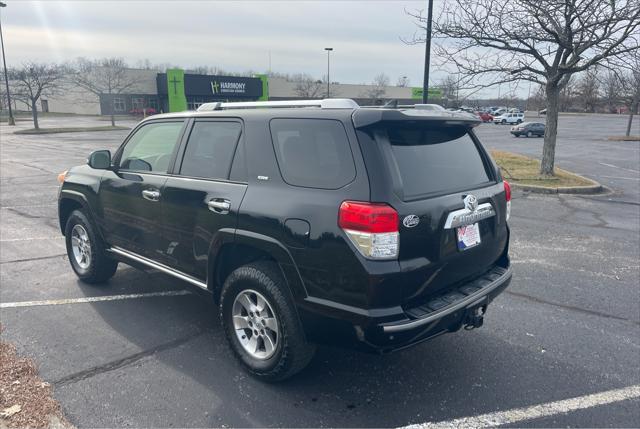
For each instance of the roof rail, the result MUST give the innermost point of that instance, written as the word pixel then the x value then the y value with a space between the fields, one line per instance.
pixel 327 103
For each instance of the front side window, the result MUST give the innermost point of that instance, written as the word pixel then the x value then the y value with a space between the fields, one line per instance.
pixel 313 153
pixel 209 150
pixel 151 147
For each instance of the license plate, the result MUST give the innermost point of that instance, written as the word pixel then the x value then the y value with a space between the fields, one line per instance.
pixel 468 236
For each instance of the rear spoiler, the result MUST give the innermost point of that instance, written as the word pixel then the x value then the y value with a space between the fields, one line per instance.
pixel 365 117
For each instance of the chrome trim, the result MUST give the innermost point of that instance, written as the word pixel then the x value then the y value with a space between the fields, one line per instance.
pixel 219 206
pixel 467 217
pixel 438 314
pixel 158 266
pixel 151 195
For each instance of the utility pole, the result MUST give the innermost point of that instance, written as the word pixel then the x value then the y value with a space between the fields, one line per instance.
pixel 427 55
pixel 12 121
pixel 328 70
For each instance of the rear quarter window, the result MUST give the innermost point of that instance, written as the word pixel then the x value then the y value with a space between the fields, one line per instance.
pixel 313 153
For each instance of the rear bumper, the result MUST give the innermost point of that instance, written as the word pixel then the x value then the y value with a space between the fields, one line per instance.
pixel 397 328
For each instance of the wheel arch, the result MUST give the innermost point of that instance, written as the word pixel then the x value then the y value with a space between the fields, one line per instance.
pixel 68 202
pixel 231 250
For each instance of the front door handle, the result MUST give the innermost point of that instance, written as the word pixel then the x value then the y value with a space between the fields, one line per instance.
pixel 151 195
pixel 219 205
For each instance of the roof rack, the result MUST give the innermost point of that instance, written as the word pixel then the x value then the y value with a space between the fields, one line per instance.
pixel 327 103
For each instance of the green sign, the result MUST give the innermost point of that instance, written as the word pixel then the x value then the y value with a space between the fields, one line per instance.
pixel 265 87
pixel 175 90
pixel 433 92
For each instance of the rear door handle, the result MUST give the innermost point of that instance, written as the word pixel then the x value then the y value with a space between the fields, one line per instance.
pixel 219 205
pixel 151 195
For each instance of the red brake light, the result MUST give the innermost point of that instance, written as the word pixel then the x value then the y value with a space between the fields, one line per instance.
pixel 367 217
pixel 507 191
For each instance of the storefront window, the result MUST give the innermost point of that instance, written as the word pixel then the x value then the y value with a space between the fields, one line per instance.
pixel 137 103
pixel 118 104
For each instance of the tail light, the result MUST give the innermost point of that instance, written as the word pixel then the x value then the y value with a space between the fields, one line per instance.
pixel 507 196
pixel 62 176
pixel 371 227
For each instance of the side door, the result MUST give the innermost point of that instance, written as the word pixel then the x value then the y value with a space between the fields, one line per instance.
pixel 204 193
pixel 130 193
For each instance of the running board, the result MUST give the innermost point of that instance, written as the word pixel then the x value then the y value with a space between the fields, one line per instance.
pixel 158 266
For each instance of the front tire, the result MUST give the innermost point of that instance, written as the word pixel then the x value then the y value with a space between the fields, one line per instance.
pixel 86 250
pixel 261 323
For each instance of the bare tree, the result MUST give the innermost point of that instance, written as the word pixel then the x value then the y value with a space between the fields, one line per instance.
pixel 33 80
pixel 588 90
pixel 629 79
pixel 543 41
pixel 307 86
pixel 107 76
pixel 403 82
pixel 610 83
pixel 378 87
pixel 450 87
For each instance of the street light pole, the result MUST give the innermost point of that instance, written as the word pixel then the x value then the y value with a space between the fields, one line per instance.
pixel 427 55
pixel 12 121
pixel 328 70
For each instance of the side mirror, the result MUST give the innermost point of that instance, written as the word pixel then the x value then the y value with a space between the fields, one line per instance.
pixel 100 160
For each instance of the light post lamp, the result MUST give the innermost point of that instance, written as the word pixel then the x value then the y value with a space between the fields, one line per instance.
pixel 427 55
pixel 12 121
pixel 328 76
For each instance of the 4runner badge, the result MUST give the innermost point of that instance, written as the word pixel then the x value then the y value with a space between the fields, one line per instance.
pixel 471 202
pixel 411 221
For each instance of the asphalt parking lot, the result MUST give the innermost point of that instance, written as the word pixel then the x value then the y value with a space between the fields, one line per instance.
pixel 568 326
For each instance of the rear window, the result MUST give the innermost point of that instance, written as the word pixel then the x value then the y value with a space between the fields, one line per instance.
pixel 435 160
pixel 313 153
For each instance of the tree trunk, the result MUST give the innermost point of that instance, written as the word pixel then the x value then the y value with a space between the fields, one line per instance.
pixel 550 130
pixel 34 113
pixel 113 120
pixel 632 109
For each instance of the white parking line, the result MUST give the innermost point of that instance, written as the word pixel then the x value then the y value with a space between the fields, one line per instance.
pixel 619 168
pixel 92 299
pixel 9 240
pixel 536 411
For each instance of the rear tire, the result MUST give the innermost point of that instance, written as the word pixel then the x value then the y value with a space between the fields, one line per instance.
pixel 86 250
pixel 261 324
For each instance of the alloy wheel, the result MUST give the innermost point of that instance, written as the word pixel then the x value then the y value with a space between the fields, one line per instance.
pixel 255 324
pixel 81 246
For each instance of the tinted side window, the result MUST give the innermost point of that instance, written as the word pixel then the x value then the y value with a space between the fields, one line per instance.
pixel 209 150
pixel 239 166
pixel 151 147
pixel 314 153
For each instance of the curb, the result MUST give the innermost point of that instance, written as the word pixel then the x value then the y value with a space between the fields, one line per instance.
pixel 594 188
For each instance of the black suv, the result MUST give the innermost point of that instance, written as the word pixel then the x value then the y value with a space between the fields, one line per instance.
pixel 308 222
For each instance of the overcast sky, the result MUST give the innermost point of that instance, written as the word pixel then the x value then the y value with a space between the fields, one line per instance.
pixel 235 36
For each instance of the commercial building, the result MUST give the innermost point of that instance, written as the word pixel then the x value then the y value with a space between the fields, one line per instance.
pixel 177 90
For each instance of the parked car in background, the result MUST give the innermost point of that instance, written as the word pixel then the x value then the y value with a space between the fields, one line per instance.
pixel 509 118
pixel 528 129
pixel 485 116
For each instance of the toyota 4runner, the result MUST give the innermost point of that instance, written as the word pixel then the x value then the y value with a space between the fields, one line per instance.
pixel 307 221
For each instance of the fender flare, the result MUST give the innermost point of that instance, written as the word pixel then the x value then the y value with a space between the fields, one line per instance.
pixel 79 197
pixel 266 244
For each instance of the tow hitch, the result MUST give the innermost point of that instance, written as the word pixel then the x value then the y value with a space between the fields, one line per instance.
pixel 475 316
